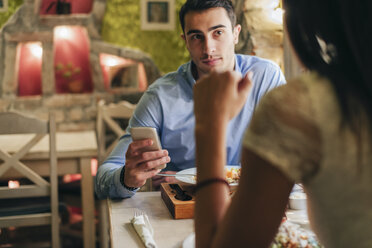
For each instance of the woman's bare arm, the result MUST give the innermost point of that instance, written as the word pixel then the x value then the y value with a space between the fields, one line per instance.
pixel 256 210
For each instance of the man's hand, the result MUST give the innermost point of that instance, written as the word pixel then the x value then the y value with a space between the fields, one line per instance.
pixel 157 180
pixel 142 165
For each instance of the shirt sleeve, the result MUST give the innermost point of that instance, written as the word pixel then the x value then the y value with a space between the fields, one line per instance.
pixel 283 132
pixel 266 76
pixel 107 181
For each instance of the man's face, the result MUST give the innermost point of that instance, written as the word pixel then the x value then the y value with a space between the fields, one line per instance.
pixel 210 40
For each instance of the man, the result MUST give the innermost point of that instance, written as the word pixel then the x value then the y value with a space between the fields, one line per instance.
pixel 210 33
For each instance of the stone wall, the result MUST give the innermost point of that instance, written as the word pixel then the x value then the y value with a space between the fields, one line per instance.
pixel 260 35
pixel 73 111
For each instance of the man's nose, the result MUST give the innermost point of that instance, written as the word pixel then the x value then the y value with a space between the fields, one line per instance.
pixel 209 46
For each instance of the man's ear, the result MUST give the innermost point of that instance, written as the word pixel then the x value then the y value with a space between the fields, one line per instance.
pixel 237 29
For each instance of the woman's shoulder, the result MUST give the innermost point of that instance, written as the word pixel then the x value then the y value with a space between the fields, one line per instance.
pixel 301 91
pixel 285 129
pixel 290 96
pixel 298 104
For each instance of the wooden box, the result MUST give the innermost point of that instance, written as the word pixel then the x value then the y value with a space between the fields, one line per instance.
pixel 178 209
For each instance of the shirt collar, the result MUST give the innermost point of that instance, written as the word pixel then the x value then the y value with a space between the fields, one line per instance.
pixel 189 75
pixel 237 65
pixel 188 70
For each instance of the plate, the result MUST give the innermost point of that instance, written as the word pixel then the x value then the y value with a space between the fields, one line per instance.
pixel 192 180
pixel 299 217
pixel 189 241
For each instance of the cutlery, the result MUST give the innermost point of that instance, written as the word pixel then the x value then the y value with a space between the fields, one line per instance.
pixel 180 194
pixel 176 175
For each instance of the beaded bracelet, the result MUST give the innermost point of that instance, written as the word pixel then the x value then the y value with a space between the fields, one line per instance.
pixel 122 181
pixel 204 183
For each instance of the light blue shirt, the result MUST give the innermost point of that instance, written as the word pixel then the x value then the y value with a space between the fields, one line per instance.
pixel 167 105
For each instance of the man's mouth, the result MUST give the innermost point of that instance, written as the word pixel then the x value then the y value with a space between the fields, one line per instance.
pixel 211 61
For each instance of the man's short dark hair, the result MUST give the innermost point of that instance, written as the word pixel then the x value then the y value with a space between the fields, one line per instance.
pixel 200 5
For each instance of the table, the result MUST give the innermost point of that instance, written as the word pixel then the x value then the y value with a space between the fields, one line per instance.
pixel 74 152
pixel 168 232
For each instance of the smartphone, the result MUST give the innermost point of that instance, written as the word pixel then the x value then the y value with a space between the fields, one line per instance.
pixel 140 133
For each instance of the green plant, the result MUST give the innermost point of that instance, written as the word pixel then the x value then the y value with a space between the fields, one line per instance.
pixel 67 70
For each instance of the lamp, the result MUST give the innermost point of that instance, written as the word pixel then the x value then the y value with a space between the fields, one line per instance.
pixel 275 13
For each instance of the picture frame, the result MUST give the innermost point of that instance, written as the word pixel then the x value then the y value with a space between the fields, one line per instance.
pixel 3 5
pixel 157 14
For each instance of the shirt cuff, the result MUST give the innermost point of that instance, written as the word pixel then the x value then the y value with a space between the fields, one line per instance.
pixel 121 190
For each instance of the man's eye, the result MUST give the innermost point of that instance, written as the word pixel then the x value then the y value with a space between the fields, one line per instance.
pixel 218 32
pixel 196 37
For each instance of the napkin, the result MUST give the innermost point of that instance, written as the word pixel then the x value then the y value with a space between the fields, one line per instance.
pixel 142 225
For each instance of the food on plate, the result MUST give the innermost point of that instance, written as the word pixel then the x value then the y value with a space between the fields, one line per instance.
pixel 232 175
pixel 291 235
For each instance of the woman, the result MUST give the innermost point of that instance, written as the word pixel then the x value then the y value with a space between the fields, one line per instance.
pixel 316 130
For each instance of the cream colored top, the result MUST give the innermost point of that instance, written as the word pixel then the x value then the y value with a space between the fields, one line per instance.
pixel 297 128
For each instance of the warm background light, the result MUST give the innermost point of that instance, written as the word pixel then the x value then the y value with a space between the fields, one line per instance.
pixel 36 49
pixel 274 4
pixel 29 68
pixel 275 12
pixel 109 62
pixel 13 184
pixel 64 32
pixel 276 15
pixel 71 60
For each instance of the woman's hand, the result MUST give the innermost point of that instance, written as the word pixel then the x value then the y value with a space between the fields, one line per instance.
pixel 218 97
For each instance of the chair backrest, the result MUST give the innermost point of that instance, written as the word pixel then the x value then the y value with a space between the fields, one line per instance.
pixel 31 130
pixel 106 121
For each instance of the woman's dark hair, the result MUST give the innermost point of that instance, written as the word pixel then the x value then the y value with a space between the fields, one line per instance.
pixel 200 5
pixel 334 38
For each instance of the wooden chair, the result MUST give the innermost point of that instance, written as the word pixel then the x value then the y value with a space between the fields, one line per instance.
pixel 106 122
pixel 14 124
